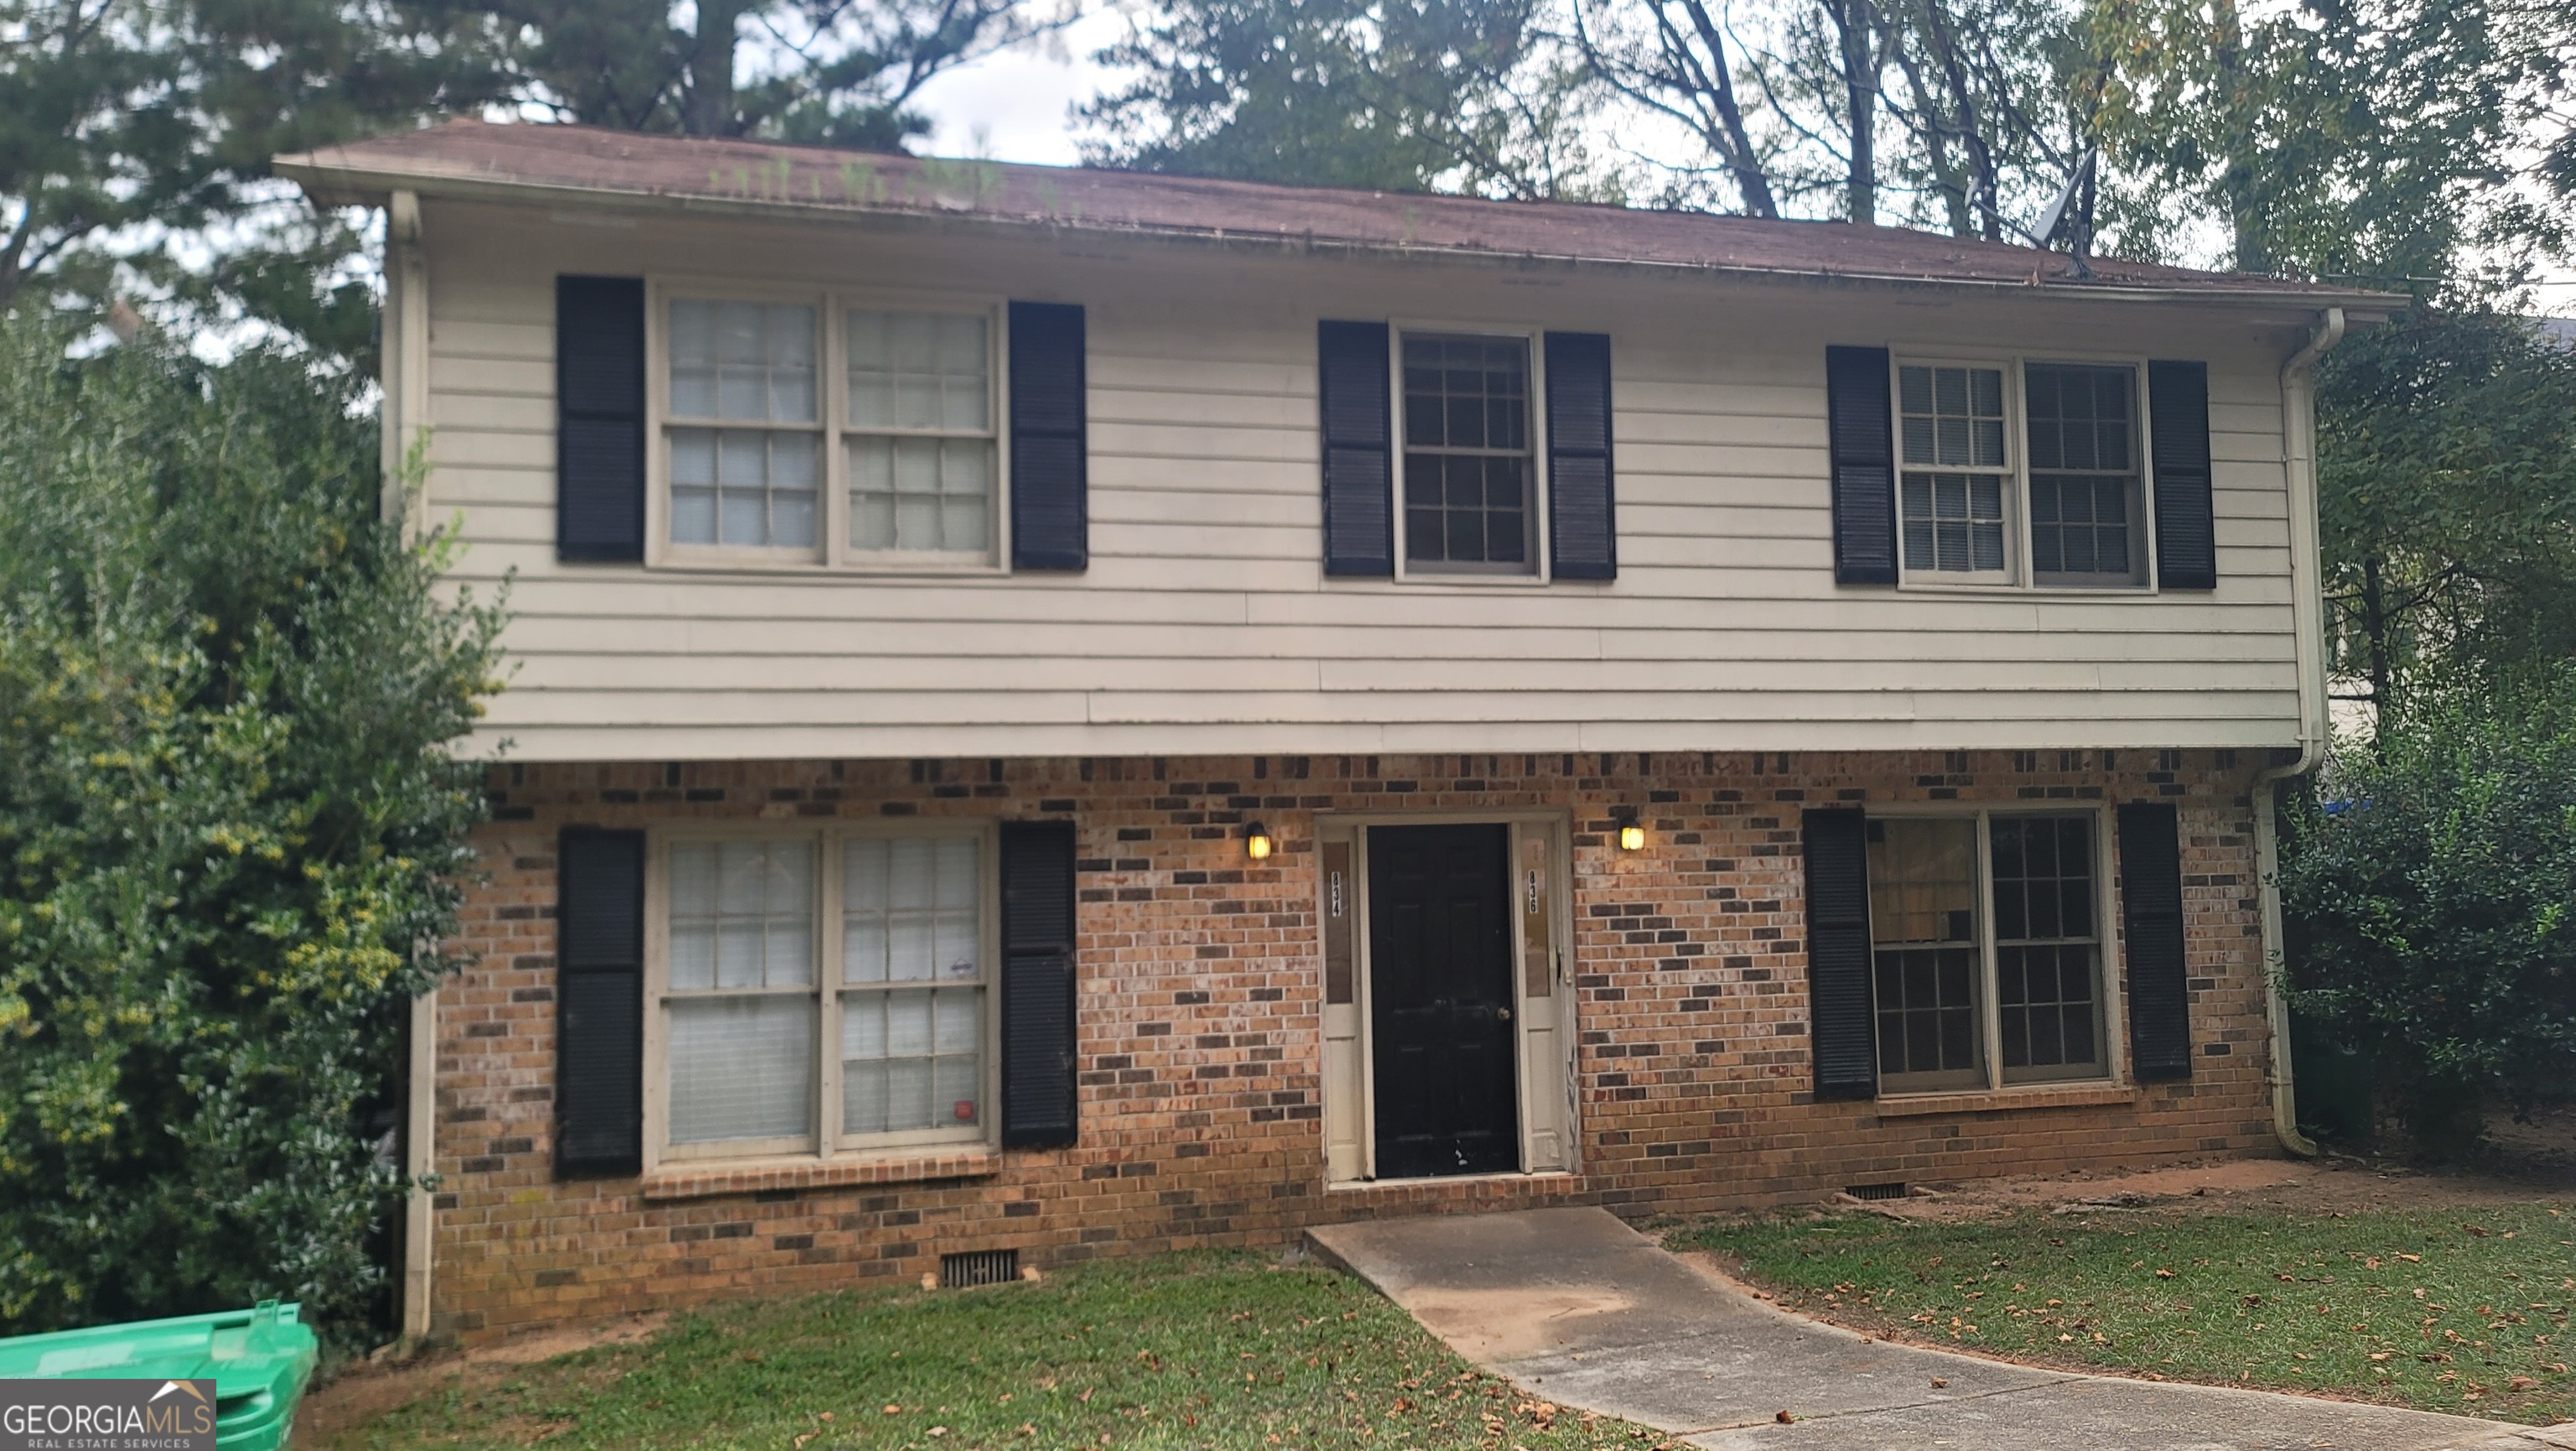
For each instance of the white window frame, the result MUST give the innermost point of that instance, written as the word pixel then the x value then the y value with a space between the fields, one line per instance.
pixel 828 1142
pixel 2017 576
pixel 832 552
pixel 2108 984
pixel 1542 485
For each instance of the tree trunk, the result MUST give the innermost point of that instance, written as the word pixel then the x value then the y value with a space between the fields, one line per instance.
pixel 711 111
pixel 1982 186
pixel 2238 181
pixel 1860 94
pixel 2375 626
pixel 1738 144
pixel 1935 135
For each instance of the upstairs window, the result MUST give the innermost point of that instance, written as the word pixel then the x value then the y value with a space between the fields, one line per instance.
pixel 2028 473
pixel 2087 511
pixel 830 429
pixel 744 429
pixel 1953 482
pixel 1470 495
pixel 920 436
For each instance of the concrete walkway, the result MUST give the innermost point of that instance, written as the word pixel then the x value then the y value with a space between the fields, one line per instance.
pixel 1581 1310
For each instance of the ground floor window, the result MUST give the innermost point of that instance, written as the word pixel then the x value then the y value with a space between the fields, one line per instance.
pixel 1986 959
pixel 823 991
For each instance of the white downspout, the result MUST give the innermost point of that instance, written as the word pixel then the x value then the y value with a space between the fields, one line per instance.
pixel 406 416
pixel 2307 608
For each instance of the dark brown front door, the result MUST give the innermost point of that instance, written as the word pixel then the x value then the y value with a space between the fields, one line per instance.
pixel 1440 1000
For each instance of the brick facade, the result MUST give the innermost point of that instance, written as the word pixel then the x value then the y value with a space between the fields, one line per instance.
pixel 1200 1006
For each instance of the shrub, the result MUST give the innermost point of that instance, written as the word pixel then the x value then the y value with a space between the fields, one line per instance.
pixel 232 824
pixel 2432 903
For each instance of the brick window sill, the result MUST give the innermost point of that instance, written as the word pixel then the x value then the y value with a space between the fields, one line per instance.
pixel 2084 1095
pixel 702 1181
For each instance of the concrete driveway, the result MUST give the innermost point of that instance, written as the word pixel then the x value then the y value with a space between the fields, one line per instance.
pixel 1580 1309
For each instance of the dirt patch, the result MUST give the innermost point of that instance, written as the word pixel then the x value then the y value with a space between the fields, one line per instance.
pixel 1492 1325
pixel 2535 1161
pixel 370 1389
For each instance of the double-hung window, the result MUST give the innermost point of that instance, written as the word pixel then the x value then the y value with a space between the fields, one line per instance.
pixel 920 440
pixel 821 992
pixel 832 431
pixel 2020 473
pixel 745 434
pixel 1953 483
pixel 1987 949
pixel 1470 469
pixel 2087 513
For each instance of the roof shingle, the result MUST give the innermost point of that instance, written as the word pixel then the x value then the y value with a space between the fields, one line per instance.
pixel 474 157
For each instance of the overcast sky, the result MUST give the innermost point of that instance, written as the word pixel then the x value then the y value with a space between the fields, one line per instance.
pixel 1018 106
pixel 1022 100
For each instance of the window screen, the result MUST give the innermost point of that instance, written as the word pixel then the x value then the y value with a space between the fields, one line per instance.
pixel 911 1056
pixel 745 452
pixel 1468 472
pixel 743 1015
pixel 1952 489
pixel 2047 947
pixel 2086 516
pixel 921 439
pixel 1924 959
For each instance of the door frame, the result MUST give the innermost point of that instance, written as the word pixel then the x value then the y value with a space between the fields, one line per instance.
pixel 1556 826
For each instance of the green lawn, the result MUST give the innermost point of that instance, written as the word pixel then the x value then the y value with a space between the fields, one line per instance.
pixel 1201 1350
pixel 2462 1311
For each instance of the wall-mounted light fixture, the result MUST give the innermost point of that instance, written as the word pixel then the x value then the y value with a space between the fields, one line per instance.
pixel 1256 842
pixel 1632 833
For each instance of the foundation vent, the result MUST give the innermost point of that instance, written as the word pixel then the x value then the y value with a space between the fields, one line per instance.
pixel 1876 1191
pixel 978 1267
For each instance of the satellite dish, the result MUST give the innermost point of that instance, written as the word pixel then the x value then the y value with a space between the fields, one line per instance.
pixel 2055 216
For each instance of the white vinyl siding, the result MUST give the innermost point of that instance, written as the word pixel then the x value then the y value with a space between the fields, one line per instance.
pixel 1204 624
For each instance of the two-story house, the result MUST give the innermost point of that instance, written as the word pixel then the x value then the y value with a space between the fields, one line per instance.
pixel 1060 712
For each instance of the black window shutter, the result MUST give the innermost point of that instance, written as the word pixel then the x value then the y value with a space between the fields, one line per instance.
pixel 1838 1008
pixel 1583 529
pixel 599 1003
pixel 599 418
pixel 1050 448
pixel 1038 1049
pixel 1864 465
pixel 1359 472
pixel 2151 919
pixel 2178 422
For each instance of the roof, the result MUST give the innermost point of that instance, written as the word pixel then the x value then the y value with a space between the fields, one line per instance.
pixel 560 163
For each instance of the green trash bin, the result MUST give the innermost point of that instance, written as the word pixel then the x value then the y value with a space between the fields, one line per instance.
pixel 259 1360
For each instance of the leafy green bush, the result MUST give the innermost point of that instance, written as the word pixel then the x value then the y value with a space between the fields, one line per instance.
pixel 2433 908
pixel 231 830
